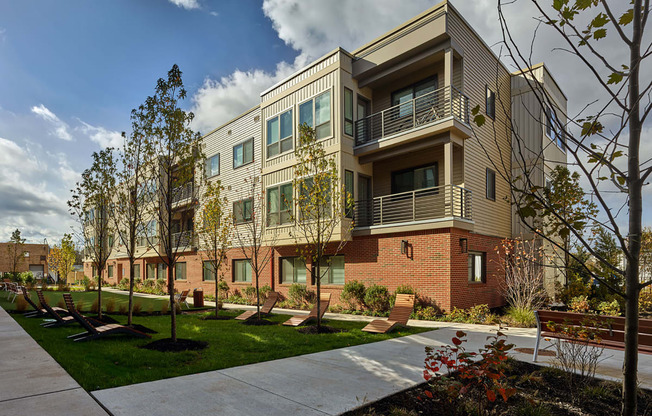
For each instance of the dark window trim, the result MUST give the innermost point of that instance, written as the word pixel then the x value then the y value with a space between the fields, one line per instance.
pixel 346 120
pixel 253 153
pixel 175 271
pixel 349 210
pixel 203 271
pixel 486 185
pixel 219 165
pixel 330 271
pixel 267 212
pixel 280 270
pixel 483 276
pixel 486 102
pixel 233 270
pixel 245 221
pixel 414 85
pixel 291 137
pixel 398 172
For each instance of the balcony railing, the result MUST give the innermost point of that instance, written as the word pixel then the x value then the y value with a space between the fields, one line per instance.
pixel 182 192
pixel 427 109
pixel 449 201
pixel 182 239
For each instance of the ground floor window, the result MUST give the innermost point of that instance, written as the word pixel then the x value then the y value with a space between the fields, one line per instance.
pixel 180 271
pixel 136 271
pixel 209 271
pixel 476 267
pixel 241 271
pixel 293 270
pixel 110 272
pixel 151 271
pixel 162 272
pixel 332 270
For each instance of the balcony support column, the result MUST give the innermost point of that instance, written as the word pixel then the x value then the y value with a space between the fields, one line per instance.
pixel 448 81
pixel 448 178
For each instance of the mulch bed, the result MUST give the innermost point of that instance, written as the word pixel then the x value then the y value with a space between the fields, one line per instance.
pixel 258 322
pixel 542 353
pixel 540 391
pixel 166 345
pixel 324 329
pixel 217 318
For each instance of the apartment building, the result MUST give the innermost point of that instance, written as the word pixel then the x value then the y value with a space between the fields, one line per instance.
pixel 431 200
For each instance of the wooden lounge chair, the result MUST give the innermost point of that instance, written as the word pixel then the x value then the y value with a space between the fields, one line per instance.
pixel 93 332
pixel 403 307
pixel 38 311
pixel 180 298
pixel 55 313
pixel 267 307
pixel 297 320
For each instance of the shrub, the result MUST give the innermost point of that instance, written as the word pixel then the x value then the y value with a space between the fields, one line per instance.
pixel 427 313
pixel 110 305
pixel 137 308
pixel 250 293
pixel 79 306
pixel 137 282
pixel 377 298
pixel 21 304
pixel 264 291
pixel 122 309
pixel 609 308
pixel 123 284
pixel 86 282
pixel 94 306
pixel 645 301
pixel 298 294
pixel 522 317
pixel 223 287
pixel 165 307
pixel 579 304
pixel 353 294
pixel 149 283
pixel 160 286
pixel 27 278
pixel 478 314
pixel 62 304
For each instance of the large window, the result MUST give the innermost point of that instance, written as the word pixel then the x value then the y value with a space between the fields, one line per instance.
pixel 110 272
pixel 491 184
pixel 213 166
pixel 243 153
pixel 151 271
pixel 332 270
pixel 293 270
pixel 162 272
pixel 552 128
pixel 348 112
pixel 311 210
pixel 180 271
pixel 414 178
pixel 279 204
pixel 348 193
pixel 316 113
pixel 405 96
pixel 136 271
pixel 279 134
pixel 241 271
pixel 209 271
pixel 490 103
pixel 476 265
pixel 242 210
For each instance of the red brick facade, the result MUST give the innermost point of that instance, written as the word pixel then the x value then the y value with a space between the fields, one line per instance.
pixel 433 263
pixel 38 256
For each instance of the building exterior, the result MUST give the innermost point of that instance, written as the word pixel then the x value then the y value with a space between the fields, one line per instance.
pixel 34 259
pixel 431 204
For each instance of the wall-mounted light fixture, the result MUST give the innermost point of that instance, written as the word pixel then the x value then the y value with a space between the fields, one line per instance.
pixel 404 246
pixel 464 245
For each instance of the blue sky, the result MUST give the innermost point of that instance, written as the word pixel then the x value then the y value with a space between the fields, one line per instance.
pixel 71 71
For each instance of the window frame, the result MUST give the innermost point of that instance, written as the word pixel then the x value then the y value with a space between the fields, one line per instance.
pixel 348 210
pixel 471 263
pixel 219 165
pixel 176 271
pixel 109 272
pixel 242 144
pixel 413 169
pixel 314 113
pixel 329 276
pixel 289 138
pixel 490 94
pixel 139 275
pixel 553 134
pixel 347 121
pixel 154 267
pixel 493 174
pixel 295 276
pixel 205 269
pixel 244 210
pixel 281 204
pixel 233 271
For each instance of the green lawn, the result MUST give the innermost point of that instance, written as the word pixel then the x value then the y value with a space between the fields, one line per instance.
pixel 118 361
pixel 87 299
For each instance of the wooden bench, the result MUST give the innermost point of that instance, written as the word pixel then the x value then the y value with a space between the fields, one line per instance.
pixel 610 329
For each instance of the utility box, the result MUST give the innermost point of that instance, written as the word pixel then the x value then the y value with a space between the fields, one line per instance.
pixel 198 298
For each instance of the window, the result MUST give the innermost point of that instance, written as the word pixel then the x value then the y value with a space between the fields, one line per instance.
pixel 348 112
pixel 110 272
pixel 162 271
pixel 279 204
pixel 110 242
pixel 316 113
pixel 332 270
pixel 552 128
pixel 26 254
pixel 293 270
pixel 242 210
pixel 213 166
pixel 348 193
pixel 490 103
pixel 209 272
pixel 405 96
pixel 415 178
pixel 241 271
pixel 491 184
pixel 180 271
pixel 243 153
pixel 477 267
pixel 279 134
pixel 310 210
pixel 151 271
pixel 136 271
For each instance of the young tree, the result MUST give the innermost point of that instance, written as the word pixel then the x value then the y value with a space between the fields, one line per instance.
pixel 603 141
pixel 16 251
pixel 90 203
pixel 215 230
pixel 174 156
pixel 254 240
pixel 61 257
pixel 321 204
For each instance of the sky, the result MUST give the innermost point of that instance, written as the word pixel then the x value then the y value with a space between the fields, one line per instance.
pixel 71 71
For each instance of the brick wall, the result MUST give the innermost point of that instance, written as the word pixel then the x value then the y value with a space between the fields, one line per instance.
pixel 37 256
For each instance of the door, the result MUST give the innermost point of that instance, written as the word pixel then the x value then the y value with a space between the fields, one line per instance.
pixel 363 132
pixel 37 270
pixel 364 203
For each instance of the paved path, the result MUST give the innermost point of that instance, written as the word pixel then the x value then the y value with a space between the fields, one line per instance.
pixel 32 383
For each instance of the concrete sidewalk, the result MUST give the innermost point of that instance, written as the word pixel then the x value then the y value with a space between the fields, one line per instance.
pixel 32 383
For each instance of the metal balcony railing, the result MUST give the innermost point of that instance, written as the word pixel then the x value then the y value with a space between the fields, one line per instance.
pixel 449 201
pixel 427 109
pixel 182 192
pixel 182 239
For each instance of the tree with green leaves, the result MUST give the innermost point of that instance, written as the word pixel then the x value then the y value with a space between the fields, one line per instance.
pixel 61 257
pixel 174 155
pixel 16 251
pixel 320 207
pixel 603 142
pixel 214 231
pixel 91 202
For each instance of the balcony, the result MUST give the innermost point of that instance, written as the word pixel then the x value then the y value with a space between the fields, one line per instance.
pixel 183 239
pixel 182 195
pixel 439 202
pixel 427 110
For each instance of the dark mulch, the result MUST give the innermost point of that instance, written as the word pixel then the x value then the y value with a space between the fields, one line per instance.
pixel 540 391
pixel 105 319
pixel 141 328
pixel 324 329
pixel 217 318
pixel 542 353
pixel 166 345
pixel 258 322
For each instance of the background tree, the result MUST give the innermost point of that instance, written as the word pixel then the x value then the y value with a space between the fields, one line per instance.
pixel 214 231
pixel 16 251
pixel 321 204
pixel 174 157
pixel 61 257
pixel 253 239
pixel 90 203
pixel 603 142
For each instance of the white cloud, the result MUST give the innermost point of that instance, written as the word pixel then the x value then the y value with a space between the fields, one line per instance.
pixel 3 34
pixel 60 127
pixel 102 136
pixel 186 4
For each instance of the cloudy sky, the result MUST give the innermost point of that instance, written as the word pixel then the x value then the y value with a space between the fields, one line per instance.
pixel 71 71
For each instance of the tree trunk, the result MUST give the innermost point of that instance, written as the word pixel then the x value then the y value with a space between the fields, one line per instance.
pixel 173 308
pixel 131 292
pixel 217 293
pixel 99 295
pixel 317 271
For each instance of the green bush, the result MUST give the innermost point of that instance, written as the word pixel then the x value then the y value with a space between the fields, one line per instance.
pixel 27 278
pixel 298 294
pixel 579 304
pixel 377 298
pixel 426 313
pixel 149 283
pixel 609 308
pixel 353 294
pixel 478 314
pixel 521 317
pixel 223 287
pixel 160 286
pixel 137 282
pixel 645 301
pixel 86 282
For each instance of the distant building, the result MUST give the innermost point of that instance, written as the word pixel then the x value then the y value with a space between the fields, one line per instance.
pixel 35 259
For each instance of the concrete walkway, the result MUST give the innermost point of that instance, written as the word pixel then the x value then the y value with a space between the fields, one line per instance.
pixel 32 383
